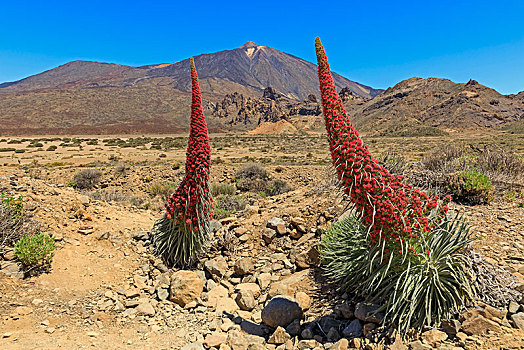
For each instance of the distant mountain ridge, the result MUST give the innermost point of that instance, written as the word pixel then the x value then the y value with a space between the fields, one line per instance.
pixel 248 69
pixel 243 89
pixel 439 103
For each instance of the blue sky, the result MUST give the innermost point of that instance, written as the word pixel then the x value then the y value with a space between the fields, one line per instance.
pixel 377 43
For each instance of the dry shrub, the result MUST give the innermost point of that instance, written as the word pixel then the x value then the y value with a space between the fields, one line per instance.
pixel 252 177
pixel 120 169
pixel 437 172
pixel 162 189
pixel 252 171
pixel 87 179
pixel 14 225
pixel 222 188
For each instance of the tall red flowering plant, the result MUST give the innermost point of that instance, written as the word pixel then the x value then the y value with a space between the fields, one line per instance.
pixel 395 212
pixel 184 230
pixel 402 250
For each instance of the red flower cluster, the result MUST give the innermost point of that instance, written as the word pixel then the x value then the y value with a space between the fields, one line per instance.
pixel 192 200
pixel 394 210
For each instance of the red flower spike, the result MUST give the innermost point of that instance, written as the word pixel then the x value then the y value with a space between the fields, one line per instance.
pixel 193 197
pixel 395 210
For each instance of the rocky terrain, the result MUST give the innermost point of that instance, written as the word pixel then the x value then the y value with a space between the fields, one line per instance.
pixel 258 286
pixel 439 103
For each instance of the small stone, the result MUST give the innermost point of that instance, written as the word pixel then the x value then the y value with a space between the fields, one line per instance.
pixel 344 311
pixel 185 287
pixel 500 314
pixel 37 302
pixel 368 313
pixel 308 344
pixel 227 305
pixel 293 328
pixel 434 337
pixel 303 300
pixel 145 309
pixel 7 334
pixel 93 334
pixel 398 344
pixel 274 222
pixel 518 319
pixel 50 330
pixel 342 344
pixel 215 340
pixel 281 230
pixel 23 310
pixel 12 268
pixel 355 343
pixel 253 288
pixel 461 336
pixel 333 335
pixel 353 330
pixel 418 345
pixel 237 340
pixel 244 266
pixel 280 336
pixel 479 325
pixel 162 294
pixel 268 235
pixel 193 346
pixel 132 292
pixel 281 311
pixel 513 307
pixel 263 280
pixel 245 300
pixel 86 230
pixel 217 266
pixel 307 333
pixel 367 328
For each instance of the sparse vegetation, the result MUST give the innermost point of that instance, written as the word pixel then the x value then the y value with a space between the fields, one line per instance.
pixel 222 188
pixel 162 189
pixel 120 169
pixel 35 250
pixel 471 187
pixel 86 179
pixel 253 177
pixel 14 222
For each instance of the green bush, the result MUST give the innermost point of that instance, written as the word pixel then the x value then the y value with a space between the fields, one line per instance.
pixel 470 187
pixel 15 203
pixel 36 250
pixel 413 290
pixel 52 148
pixel 14 223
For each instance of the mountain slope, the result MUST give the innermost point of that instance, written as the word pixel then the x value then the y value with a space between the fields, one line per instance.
pixel 257 67
pixel 438 103
pixel 248 69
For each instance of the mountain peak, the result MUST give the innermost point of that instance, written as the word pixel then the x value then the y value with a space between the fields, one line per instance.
pixel 248 45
